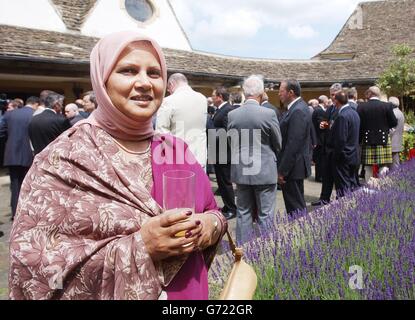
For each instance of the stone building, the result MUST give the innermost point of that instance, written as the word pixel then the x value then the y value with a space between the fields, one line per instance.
pixel 51 51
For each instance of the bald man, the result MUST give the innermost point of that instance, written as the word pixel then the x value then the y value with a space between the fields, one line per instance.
pixel 72 113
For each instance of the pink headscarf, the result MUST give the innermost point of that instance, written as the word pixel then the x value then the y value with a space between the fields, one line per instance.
pixel 103 59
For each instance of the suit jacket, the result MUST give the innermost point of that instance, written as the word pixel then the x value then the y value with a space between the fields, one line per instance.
pixel 211 110
pixel 295 156
pixel 46 127
pixel 376 119
pixel 261 149
pixel 15 127
pixel 76 119
pixel 183 114
pixel 352 104
pixel 220 119
pixel 331 113
pixel 220 122
pixel 344 138
pixel 318 116
pixel 277 111
pixel 84 114
pixel 235 106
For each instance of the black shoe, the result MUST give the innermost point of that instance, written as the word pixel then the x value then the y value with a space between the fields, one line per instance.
pixel 1 234
pixel 319 203
pixel 229 215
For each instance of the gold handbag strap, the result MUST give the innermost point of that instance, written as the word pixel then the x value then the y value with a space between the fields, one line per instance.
pixel 237 252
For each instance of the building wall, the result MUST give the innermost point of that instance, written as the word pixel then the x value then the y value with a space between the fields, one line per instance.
pixel 110 16
pixel 38 14
pixel 106 17
pixel 24 89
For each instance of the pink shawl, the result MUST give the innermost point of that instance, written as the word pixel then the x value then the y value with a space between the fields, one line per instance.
pixel 76 233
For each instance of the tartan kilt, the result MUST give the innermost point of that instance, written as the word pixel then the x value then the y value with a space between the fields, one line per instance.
pixel 377 154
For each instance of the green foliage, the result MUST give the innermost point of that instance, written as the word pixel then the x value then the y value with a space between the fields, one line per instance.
pixel 410 118
pixel 399 77
pixel 408 144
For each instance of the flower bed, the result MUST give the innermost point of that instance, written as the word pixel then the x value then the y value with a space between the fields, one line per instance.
pixel 369 231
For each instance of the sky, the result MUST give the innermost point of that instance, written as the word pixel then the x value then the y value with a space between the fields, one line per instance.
pixel 275 29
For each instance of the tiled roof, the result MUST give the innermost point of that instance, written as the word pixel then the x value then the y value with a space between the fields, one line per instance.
pixel 54 46
pixel 364 51
pixel 383 24
pixel 74 12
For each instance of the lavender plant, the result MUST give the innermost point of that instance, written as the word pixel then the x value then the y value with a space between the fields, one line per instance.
pixel 315 256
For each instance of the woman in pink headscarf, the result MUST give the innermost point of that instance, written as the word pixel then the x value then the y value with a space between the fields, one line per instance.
pixel 89 224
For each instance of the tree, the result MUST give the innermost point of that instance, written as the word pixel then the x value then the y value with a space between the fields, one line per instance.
pixel 399 77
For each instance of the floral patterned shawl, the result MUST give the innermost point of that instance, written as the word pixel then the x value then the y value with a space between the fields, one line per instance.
pixel 76 236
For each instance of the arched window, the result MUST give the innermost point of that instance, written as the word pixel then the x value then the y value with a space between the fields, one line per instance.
pixel 140 10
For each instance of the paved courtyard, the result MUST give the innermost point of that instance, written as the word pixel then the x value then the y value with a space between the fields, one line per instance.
pixel 312 192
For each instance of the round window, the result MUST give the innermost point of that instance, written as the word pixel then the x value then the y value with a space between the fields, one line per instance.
pixel 140 10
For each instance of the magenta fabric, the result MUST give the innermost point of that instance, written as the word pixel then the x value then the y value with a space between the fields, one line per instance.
pixel 191 282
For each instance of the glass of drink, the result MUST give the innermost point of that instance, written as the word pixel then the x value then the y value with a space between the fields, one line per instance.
pixel 179 192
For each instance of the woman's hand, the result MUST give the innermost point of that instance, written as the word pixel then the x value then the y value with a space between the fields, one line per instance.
pixel 171 234
pixel 210 232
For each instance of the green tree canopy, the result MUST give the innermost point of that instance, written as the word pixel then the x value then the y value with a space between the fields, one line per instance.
pixel 399 77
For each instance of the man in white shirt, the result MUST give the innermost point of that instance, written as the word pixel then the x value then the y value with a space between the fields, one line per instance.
pixel 183 114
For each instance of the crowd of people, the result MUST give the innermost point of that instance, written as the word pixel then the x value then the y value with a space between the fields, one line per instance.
pixel 367 133
pixel 86 179
pixel 28 128
pixel 338 134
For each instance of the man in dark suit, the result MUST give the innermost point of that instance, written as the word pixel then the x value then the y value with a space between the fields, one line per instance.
pixel 18 155
pixel 211 109
pixel 344 141
pixel 352 98
pixel 376 119
pixel 47 126
pixel 325 123
pixel 318 116
pixel 72 114
pixel 294 158
pixel 90 104
pixel 265 103
pixel 352 102
pixel 220 98
pixel 236 100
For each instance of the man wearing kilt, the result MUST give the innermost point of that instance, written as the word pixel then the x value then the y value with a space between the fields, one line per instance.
pixel 376 119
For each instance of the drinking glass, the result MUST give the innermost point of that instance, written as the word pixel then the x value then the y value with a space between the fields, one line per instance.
pixel 179 192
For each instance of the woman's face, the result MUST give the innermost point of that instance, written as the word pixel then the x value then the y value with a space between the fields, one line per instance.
pixel 135 85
